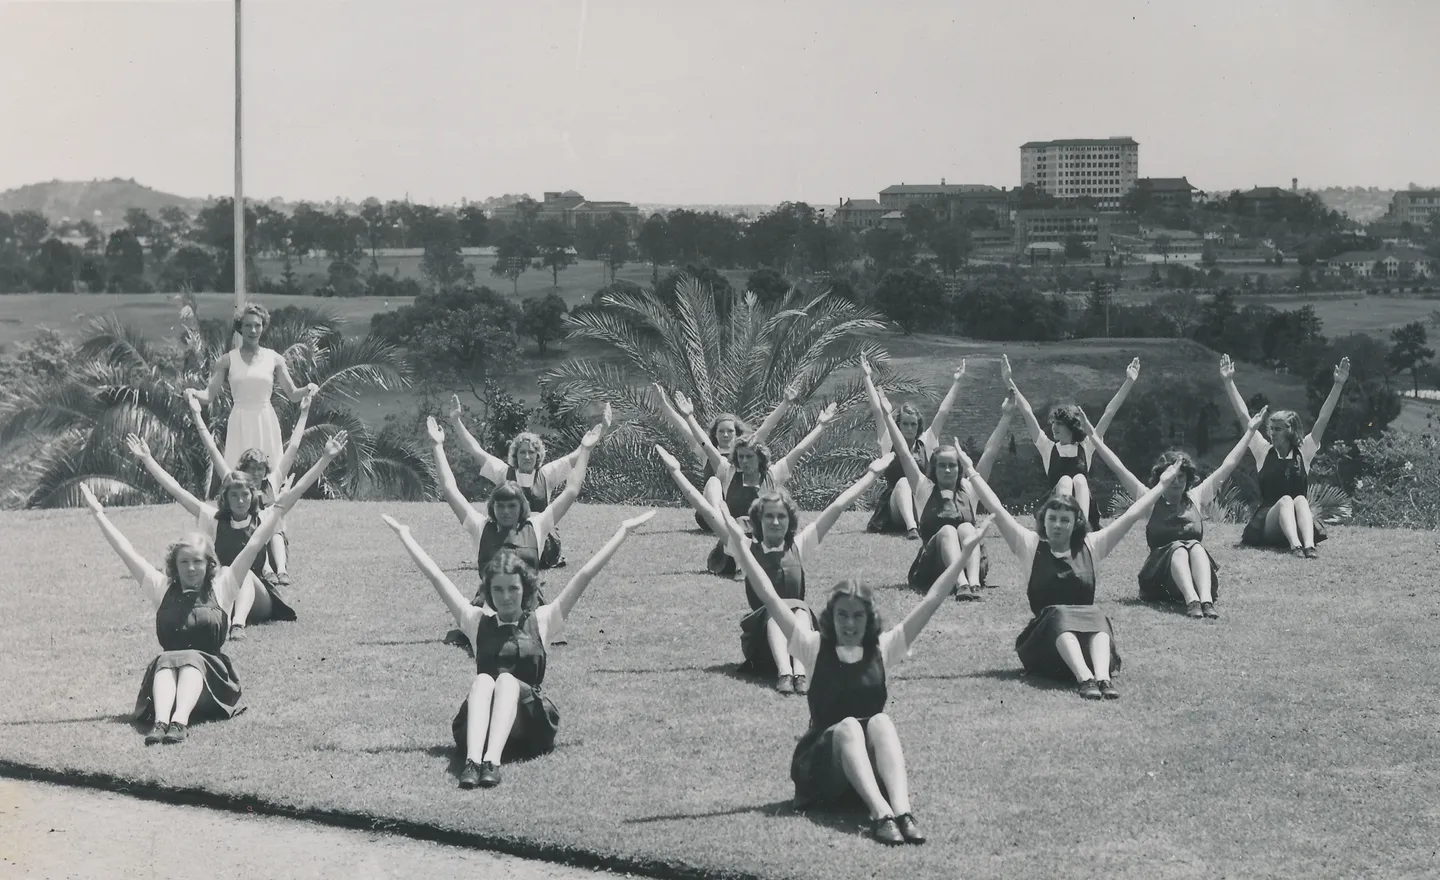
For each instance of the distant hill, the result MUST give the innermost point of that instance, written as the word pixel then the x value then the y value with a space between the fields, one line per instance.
pixel 81 200
pixel 1360 203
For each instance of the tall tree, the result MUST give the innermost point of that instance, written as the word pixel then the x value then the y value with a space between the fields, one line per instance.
pixel 544 319
pixel 911 299
pixel 124 263
pixel 1409 352
pixel 555 249
pixel 513 254
pixel 653 242
pixel 474 226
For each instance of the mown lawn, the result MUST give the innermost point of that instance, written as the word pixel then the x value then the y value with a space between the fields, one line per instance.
pixel 1294 737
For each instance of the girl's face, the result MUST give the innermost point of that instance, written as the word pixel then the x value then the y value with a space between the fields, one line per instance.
pixel 1061 431
pixel 1277 428
pixel 526 456
pixel 724 434
pixel 774 522
pixel 258 472
pixel 507 513
pixel 850 619
pixel 909 425
pixel 747 461
pixel 947 470
pixel 190 567
pixel 1176 485
pixel 251 327
pixel 507 595
pixel 238 499
pixel 1059 524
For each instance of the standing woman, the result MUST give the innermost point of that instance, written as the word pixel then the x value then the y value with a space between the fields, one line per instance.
pixel 851 747
pixel 1284 517
pixel 527 468
pixel 1069 455
pixel 1179 567
pixel 895 508
pixel 1063 556
pixel 192 678
pixel 505 714
pixel 252 372
pixel 782 552
pixel 230 525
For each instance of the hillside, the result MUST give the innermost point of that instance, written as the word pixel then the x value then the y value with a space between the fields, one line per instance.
pixel 102 202
pixel 1363 204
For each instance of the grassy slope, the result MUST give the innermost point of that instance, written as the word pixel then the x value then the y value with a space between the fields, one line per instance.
pixel 1285 739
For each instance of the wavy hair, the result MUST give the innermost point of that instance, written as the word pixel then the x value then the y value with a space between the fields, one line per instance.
pixel 742 427
pixel 507 561
pixel 774 496
pixel 865 596
pixel 1068 414
pixel 1169 457
pixel 762 452
pixel 930 466
pixel 1064 502
pixel 253 308
pixel 1294 428
pixel 910 409
pixel 193 541
pixel 535 442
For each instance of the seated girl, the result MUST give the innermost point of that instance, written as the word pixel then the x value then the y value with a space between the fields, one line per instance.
pixel 782 551
pixel 1062 556
pixel 256 464
pixel 851 748
pixel 527 468
pixel 895 508
pixel 1284 518
pixel 506 715
pixel 1179 568
pixel 230 525
pixel 192 679
pixel 507 523
pixel 1069 455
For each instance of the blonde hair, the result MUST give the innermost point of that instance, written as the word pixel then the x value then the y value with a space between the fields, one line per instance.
pixel 192 541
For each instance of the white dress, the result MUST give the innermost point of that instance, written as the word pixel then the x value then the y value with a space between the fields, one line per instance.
pixel 253 423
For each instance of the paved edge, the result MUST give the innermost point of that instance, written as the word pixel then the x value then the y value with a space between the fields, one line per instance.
pixel 512 846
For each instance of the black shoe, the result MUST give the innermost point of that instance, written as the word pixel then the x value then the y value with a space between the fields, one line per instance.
pixel 282 579
pixel 237 632
pixel 802 685
pixel 912 535
pixel 886 831
pixel 1090 689
pixel 470 776
pixel 908 827
pixel 1312 553
pixel 1208 609
pixel 1195 610
pixel 1107 690
pixel 1298 552
pixel 156 734
pixel 785 684
pixel 176 734
pixel 489 775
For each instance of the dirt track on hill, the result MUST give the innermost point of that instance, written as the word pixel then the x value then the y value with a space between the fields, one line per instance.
pixel 50 832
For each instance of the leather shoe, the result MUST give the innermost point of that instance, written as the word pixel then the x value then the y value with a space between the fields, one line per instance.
pixel 489 775
pixel 886 831
pixel 470 776
pixel 909 828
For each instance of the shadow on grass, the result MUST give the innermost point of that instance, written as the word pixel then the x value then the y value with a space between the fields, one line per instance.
pixel 392 643
pixel 844 818
pixel 127 718
pixel 1175 608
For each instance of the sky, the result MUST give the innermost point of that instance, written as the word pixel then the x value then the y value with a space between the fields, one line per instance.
pixel 689 102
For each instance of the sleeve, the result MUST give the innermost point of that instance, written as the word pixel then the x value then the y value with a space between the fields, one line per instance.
pixel 1259 447
pixel 470 626
pixel 930 440
pixel 557 472
pixel 474 526
pixel 1308 449
pixel 1046 446
pixel 805 646
pixel 154 586
pixel 1088 444
pixel 225 586
pixel 805 541
pixel 780 473
pixel 893 649
pixel 1203 493
pixel 920 495
pixel 543 523
pixel 493 471
pixel 550 622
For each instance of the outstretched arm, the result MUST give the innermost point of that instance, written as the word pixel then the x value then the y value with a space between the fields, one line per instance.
pixel 947 403
pixel 674 418
pixel 1327 409
pixel 1132 373
pixel 1227 379
pixel 787 403
pixel 573 590
pixel 568 462
pixel 1020 539
pixel 333 447
pixel 997 438
pixel 1037 433
pixel 830 514
pixel 458 503
pixel 140 569
pixel 490 464
pixel 939 591
pixel 218 372
pixel 577 476
pixel 882 437
pixel 141 450
pixel 270 520
pixel 1132 484
pixel 1207 487
pixel 460 607
pixel 697 500
pixel 297 434
pixel 899 445
pixel 1103 541
pixel 713 455
pixel 287 385
pixel 809 440
pixel 197 417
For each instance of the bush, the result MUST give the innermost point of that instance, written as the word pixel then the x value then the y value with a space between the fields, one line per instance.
pixel 1398 481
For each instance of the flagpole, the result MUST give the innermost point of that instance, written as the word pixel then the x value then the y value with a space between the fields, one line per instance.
pixel 239 181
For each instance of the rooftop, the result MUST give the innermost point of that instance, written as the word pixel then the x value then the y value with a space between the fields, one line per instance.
pixel 1165 183
pixel 1084 142
pixel 936 188
pixel 859 205
pixel 1404 254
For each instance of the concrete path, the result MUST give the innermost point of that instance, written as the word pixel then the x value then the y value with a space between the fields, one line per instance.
pixel 50 832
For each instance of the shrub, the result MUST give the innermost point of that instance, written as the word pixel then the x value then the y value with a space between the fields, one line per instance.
pixel 1398 481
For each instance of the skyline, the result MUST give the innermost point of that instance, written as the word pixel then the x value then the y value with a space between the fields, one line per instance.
pixel 793 109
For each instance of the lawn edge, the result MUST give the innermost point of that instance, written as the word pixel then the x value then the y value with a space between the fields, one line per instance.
pixel 185 796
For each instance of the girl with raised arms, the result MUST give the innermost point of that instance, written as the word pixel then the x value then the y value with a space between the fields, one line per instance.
pixel 230 524
pixel 782 548
pixel 851 747
pixel 1065 452
pixel 506 715
pixel 1062 556
pixel 1179 568
pixel 895 508
pixel 1284 518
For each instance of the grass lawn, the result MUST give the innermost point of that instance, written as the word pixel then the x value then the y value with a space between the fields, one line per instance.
pixel 1294 737
pixel 1375 315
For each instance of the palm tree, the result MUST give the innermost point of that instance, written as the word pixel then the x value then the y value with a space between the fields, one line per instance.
pixel 742 363
pixel 121 382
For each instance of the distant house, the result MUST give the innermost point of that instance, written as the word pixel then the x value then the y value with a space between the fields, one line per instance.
pixel 859 214
pixel 1167 192
pixel 992 242
pixel 1055 225
pixel 572 210
pixel 892 220
pixel 1384 264
pixel 1414 206
pixel 900 196
pixel 1266 201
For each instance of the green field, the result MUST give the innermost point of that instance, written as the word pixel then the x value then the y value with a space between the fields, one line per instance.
pixel 1292 738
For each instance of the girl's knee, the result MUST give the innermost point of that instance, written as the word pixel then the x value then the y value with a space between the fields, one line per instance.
pixel 879 724
pixel 1080 482
pixel 849 731
pixel 947 533
pixel 1065 486
pixel 482 681
pixel 1285 503
pixel 802 620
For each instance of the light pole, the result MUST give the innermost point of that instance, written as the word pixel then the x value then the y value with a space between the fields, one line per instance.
pixel 239 187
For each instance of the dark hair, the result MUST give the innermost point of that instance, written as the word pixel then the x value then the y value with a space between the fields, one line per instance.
pixel 762 452
pixel 773 496
pixel 1187 467
pixel 253 455
pixel 193 541
pixel 1068 414
pixel 865 596
pixel 509 491
pixel 238 478
pixel 930 465
pixel 742 428
pixel 507 561
pixel 253 309
pixel 910 409
pixel 1064 502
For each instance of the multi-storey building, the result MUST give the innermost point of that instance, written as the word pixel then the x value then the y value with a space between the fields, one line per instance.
pixel 1104 170
pixel 1416 206
pixel 902 195
pixel 573 209
pixel 859 213
pixel 1055 225
pixel 1167 192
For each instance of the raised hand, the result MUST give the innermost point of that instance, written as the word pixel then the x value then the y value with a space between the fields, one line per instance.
pixel 1086 428
pixel 311 389
pixel 90 500
pixel 878 466
pixel 1006 374
pixel 432 427
pixel 607 416
pixel 138 448
pixel 1007 406
pixel 1258 419
pixel 1132 372
pixel 592 437
pixel 683 404
pixel 1342 370
pixel 665 456
pixel 305 401
pixel 336 444
pixel 960 373
pixel 394 524
pixel 1227 367
pixel 454 411
pixel 192 401
pixel 1169 473
pixel 826 414
pixel 885 405
pixel 865 365
pixel 737 531
pixel 633 523
pixel 967 467
pixel 792 392
pixel 981 527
